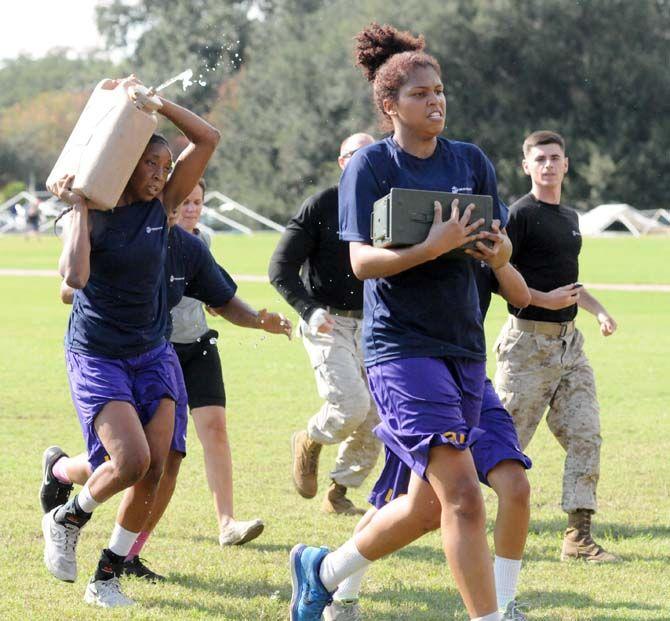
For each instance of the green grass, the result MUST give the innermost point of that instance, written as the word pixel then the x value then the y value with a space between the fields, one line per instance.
pixel 603 260
pixel 271 393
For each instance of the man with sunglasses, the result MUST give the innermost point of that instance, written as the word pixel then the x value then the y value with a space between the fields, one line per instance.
pixel 311 269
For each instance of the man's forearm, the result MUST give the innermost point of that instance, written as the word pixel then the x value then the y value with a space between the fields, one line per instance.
pixel 286 280
pixel 591 304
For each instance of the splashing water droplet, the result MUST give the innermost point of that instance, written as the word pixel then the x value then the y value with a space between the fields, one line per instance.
pixel 184 77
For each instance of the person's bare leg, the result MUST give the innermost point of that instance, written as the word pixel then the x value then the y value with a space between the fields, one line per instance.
pixel 210 425
pixel 453 500
pixel 508 480
pixel 452 475
pixel 165 491
pixel 137 503
pixel 78 469
pixel 400 522
pixel 120 431
pixel 168 482
pixel 510 483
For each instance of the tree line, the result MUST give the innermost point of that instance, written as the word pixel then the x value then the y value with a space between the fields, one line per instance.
pixel 278 79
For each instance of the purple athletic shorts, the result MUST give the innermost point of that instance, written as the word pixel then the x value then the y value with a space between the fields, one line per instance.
pixel 427 402
pixel 141 381
pixel 180 408
pixel 498 444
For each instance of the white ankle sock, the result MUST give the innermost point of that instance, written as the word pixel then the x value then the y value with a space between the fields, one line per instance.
pixel 350 587
pixel 121 540
pixel 494 616
pixel 506 572
pixel 341 564
pixel 85 501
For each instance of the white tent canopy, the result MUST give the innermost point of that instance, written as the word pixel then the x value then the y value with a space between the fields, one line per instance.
pixel 619 218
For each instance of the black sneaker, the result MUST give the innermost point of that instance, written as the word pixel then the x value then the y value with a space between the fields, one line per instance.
pixel 136 568
pixel 53 493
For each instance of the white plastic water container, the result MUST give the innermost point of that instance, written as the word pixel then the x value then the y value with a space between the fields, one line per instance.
pixel 107 142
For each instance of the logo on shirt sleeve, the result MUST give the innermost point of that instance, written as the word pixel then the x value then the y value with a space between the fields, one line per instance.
pixel 152 229
pixel 457 190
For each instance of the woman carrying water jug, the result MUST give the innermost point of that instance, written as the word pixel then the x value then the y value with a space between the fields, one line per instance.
pixel 123 374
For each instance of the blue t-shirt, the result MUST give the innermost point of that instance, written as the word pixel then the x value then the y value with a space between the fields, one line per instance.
pixel 431 309
pixel 122 310
pixel 191 270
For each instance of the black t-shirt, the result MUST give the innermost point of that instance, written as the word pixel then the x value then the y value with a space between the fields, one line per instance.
pixel 310 267
pixel 547 243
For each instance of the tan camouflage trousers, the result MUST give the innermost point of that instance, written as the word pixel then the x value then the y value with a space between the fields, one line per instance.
pixel 536 372
pixel 348 414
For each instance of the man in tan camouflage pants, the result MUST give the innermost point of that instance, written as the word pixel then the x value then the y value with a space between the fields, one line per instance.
pixel 540 357
pixel 329 300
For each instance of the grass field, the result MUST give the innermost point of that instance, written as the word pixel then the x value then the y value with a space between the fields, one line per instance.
pixel 271 393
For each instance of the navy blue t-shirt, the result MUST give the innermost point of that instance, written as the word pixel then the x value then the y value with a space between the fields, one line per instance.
pixel 122 310
pixel 191 270
pixel 431 309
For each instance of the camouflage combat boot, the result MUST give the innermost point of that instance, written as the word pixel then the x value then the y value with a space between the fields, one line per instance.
pixel 336 501
pixel 305 464
pixel 578 542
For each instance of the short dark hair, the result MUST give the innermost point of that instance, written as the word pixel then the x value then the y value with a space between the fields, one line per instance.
pixel 543 136
pixel 203 185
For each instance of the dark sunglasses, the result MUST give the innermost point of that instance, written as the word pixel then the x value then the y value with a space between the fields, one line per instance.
pixel 348 154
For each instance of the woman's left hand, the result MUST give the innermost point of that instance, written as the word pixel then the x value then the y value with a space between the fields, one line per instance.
pixel 495 256
pixel 275 323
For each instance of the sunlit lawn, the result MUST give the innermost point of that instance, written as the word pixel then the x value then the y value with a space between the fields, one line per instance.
pixel 271 393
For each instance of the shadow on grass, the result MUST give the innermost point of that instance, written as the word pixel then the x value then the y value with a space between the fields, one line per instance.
pixel 579 601
pixel 413 600
pixel 259 546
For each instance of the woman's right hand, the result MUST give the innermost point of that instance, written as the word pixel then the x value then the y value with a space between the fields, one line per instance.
pixel 452 233
pixel 63 190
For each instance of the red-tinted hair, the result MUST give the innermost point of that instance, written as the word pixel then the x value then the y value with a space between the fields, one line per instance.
pixel 387 57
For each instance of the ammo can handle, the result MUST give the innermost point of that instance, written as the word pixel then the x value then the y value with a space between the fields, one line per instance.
pixel 416 216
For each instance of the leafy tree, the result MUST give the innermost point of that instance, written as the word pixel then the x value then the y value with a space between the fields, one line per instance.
pixel 24 77
pixel 33 132
pixel 510 67
pixel 208 36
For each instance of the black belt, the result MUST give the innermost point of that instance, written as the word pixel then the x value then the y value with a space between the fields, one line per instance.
pixel 354 314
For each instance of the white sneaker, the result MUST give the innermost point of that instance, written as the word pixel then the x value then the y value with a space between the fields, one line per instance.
pixel 343 610
pixel 60 547
pixel 237 533
pixel 106 594
pixel 514 611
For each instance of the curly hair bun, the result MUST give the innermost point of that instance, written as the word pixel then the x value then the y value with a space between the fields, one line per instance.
pixel 376 44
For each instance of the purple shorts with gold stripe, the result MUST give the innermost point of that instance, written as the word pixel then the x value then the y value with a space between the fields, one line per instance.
pixel 499 443
pixel 427 402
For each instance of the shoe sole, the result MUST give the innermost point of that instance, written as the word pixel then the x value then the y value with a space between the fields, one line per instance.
pixel 45 465
pixel 294 562
pixel 44 477
pixel 584 559
pixel 251 534
pixel 46 524
pixel 295 483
